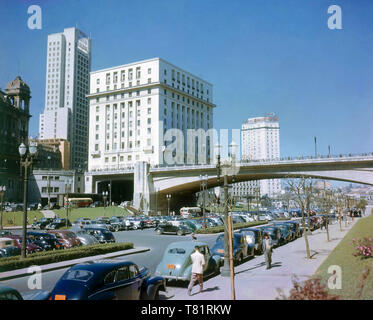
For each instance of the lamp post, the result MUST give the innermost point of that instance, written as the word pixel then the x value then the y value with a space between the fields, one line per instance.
pixel 49 183
pixel 67 189
pixel 228 267
pixel 168 196
pixel 203 185
pixel 27 155
pixel 156 201
pixel 2 192
pixel 104 195
pixel 110 192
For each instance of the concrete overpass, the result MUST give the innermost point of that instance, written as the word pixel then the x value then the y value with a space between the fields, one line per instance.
pixel 151 184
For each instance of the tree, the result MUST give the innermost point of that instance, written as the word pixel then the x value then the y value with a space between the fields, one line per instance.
pixel 302 192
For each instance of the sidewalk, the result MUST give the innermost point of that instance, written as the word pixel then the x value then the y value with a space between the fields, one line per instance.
pixel 254 282
pixel 59 265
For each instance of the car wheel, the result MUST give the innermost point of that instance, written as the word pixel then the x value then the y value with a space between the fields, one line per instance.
pixel 159 231
pixel 180 233
pixel 116 229
pixel 134 227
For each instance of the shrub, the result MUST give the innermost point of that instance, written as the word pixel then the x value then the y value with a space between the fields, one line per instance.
pixel 235 226
pixel 46 257
pixel 311 289
pixel 363 247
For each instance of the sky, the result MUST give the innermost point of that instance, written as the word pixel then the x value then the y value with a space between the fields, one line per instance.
pixel 260 55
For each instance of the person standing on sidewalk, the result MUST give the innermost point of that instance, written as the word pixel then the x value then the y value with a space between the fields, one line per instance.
pixel 198 262
pixel 267 250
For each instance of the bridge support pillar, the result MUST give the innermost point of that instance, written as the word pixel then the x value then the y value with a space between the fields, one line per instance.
pixel 143 187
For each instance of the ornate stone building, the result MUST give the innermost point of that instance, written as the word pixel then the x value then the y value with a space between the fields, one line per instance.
pixel 14 122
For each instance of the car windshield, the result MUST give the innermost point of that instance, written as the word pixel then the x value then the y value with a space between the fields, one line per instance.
pixel 78 275
pixel 176 251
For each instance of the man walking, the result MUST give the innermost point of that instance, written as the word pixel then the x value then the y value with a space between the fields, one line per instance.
pixel 198 262
pixel 267 250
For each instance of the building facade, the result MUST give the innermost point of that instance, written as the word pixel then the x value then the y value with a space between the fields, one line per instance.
pixel 14 122
pixel 67 84
pixel 133 106
pixel 260 138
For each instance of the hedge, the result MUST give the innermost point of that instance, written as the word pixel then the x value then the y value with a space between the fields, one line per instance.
pixel 46 257
pixel 235 226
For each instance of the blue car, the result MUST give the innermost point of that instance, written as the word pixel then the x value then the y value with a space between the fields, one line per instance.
pixel 108 280
pixel 241 249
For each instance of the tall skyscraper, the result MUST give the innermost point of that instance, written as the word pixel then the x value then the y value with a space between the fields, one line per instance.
pixel 66 112
pixel 260 141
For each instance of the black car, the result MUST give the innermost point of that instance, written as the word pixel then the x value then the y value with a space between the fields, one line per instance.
pixel 180 230
pixel 108 280
pixel 45 241
pixel 101 234
pixel 58 223
pixel 258 238
pixel 42 223
pixel 295 227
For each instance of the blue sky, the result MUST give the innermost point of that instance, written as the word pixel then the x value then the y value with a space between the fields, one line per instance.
pixel 260 55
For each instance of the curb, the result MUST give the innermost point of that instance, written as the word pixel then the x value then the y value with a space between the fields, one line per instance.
pixel 8 275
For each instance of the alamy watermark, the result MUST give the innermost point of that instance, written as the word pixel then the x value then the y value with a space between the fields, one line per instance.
pixel 35 20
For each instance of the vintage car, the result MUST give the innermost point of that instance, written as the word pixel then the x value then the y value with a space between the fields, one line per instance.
pixel 102 223
pixel 273 232
pixel 5 233
pixel 101 234
pixel 176 263
pixel 107 280
pixel 67 238
pixel 8 248
pixel 256 234
pixel 58 223
pixel 45 240
pixel 42 223
pixel 8 293
pixel 293 226
pixel 85 238
pixel 30 247
pixel 180 230
pixel 117 223
pixel 241 249
pixel 286 233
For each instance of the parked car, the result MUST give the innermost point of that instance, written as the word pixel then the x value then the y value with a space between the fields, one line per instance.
pixel 176 263
pixel 101 234
pixel 241 250
pixel 286 233
pixel 41 223
pixel 5 233
pixel 8 293
pixel 85 238
pixel 58 223
pixel 8 248
pixel 30 247
pixel 293 226
pixel 117 223
pixel 180 230
pixel 273 232
pixel 45 241
pixel 67 238
pixel 107 280
pixel 102 224
pixel 258 238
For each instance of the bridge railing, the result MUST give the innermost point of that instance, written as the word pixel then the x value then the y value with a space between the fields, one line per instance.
pixel 241 162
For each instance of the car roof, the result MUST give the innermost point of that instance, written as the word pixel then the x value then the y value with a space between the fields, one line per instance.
pixel 101 266
pixel 186 244
pixel 5 239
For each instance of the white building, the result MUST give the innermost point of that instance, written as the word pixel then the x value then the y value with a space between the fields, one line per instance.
pixel 132 106
pixel 260 141
pixel 67 84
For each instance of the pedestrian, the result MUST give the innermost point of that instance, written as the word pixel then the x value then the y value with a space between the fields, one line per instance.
pixel 267 250
pixel 198 262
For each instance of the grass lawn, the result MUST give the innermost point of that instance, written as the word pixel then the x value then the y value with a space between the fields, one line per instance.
pixel 351 266
pixel 11 219
pixel 91 213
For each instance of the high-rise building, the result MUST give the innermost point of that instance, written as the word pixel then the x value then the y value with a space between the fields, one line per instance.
pixel 132 106
pixel 260 139
pixel 67 84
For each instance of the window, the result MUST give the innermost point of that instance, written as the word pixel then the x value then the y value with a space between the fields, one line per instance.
pixel 123 274
pixel 133 271
pixel 110 277
pixel 149 71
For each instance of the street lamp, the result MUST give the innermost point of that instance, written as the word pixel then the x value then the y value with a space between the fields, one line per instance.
pixel 67 189
pixel 49 184
pixel 104 195
pixel 168 196
pixel 203 185
pixel 27 155
pixel 2 191
pixel 110 192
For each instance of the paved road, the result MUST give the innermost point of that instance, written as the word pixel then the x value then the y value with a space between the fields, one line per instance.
pixel 141 238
